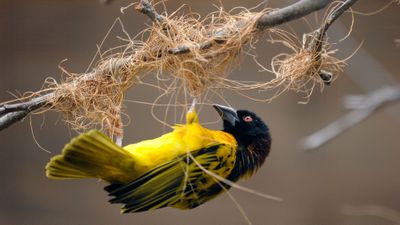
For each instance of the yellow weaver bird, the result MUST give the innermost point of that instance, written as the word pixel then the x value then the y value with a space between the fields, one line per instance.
pixel 180 169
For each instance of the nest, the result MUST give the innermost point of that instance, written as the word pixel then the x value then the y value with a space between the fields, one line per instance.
pixel 197 53
pixel 305 67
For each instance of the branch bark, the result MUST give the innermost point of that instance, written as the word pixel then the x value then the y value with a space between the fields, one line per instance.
pixel 291 12
pixel 11 113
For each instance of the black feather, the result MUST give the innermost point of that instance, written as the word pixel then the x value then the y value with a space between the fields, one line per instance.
pixel 254 143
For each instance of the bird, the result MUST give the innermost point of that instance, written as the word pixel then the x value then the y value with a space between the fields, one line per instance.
pixel 181 169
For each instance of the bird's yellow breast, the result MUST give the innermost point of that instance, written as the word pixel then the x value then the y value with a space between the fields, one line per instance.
pixel 183 139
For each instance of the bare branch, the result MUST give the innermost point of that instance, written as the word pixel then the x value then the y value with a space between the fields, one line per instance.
pixel 11 113
pixel 12 117
pixel 32 105
pixel 362 107
pixel 295 11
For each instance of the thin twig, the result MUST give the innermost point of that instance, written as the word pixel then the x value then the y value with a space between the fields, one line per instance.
pixel 362 107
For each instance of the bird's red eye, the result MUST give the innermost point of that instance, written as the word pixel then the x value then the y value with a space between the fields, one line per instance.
pixel 247 119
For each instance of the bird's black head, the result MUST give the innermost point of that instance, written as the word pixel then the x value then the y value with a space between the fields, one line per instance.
pixel 242 124
pixel 252 135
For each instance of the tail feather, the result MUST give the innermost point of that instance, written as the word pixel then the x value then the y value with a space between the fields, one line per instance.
pixel 92 155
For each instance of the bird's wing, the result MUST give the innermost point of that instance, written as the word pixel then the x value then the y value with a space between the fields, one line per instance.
pixel 177 179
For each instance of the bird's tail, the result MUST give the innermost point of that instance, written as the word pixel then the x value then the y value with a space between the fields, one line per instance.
pixel 92 155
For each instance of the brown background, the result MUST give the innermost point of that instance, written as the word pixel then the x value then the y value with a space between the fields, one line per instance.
pixel 360 167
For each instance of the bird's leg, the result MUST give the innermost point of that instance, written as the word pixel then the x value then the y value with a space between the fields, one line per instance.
pixel 118 140
pixel 193 106
pixel 191 116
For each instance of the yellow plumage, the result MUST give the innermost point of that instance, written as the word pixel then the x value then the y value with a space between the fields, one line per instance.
pixel 153 173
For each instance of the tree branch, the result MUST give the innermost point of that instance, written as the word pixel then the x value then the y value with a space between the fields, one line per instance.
pixel 362 107
pixel 11 113
pixel 291 12
pixel 270 19
pixel 317 44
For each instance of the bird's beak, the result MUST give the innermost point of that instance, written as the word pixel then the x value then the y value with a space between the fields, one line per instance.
pixel 227 114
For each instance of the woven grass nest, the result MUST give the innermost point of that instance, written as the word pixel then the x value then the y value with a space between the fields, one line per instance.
pixel 198 53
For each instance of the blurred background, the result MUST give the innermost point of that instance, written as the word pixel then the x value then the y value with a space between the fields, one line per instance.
pixel 359 167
